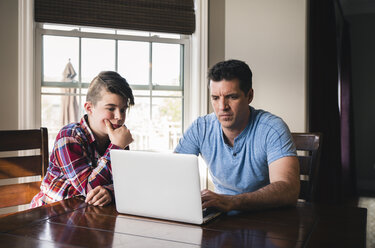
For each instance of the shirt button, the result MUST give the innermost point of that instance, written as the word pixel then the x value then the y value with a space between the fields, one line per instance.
pixel 234 154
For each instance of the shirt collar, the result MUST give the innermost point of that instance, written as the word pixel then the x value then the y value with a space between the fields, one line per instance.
pixel 85 126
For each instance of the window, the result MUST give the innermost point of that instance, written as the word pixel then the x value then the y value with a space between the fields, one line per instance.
pixel 154 64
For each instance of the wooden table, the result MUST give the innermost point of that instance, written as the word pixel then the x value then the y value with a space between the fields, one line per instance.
pixel 73 223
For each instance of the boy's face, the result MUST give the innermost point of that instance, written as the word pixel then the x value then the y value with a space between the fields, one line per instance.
pixel 110 107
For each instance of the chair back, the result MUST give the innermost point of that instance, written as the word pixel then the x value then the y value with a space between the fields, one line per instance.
pixel 17 166
pixel 309 160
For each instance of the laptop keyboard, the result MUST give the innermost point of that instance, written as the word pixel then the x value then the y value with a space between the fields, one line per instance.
pixel 208 211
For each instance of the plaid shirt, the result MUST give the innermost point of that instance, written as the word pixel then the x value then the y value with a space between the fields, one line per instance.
pixel 75 166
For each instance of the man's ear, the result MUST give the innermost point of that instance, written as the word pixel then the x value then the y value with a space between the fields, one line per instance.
pixel 88 107
pixel 250 96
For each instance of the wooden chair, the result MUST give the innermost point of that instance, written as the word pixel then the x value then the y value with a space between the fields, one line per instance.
pixel 17 166
pixel 310 144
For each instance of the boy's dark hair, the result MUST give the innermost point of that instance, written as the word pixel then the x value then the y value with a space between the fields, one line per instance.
pixel 112 82
pixel 232 69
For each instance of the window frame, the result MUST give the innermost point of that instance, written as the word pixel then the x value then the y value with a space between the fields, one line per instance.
pixel 184 88
pixel 196 92
pixel 185 40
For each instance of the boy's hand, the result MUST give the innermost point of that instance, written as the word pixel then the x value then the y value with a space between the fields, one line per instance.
pixel 120 136
pixel 99 196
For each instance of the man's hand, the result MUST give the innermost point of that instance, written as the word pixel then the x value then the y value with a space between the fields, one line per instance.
pixel 98 196
pixel 221 202
pixel 120 136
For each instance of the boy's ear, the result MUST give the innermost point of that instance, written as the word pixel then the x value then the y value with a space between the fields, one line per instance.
pixel 88 107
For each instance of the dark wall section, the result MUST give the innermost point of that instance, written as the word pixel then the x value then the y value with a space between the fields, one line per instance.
pixel 362 30
pixel 328 64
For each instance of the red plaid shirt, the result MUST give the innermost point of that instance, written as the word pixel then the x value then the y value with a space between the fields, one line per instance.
pixel 75 166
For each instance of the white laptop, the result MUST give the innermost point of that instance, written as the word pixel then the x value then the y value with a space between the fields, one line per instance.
pixel 158 185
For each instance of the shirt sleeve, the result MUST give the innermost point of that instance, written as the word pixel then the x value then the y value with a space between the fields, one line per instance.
pixel 77 167
pixel 189 143
pixel 279 142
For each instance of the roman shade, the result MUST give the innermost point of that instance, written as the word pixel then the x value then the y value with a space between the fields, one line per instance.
pixel 170 16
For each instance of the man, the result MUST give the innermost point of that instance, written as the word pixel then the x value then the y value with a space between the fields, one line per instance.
pixel 249 152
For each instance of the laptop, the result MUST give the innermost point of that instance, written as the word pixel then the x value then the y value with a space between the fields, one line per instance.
pixel 159 185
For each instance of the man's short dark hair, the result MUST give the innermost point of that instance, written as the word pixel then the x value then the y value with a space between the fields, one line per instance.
pixel 232 69
pixel 112 82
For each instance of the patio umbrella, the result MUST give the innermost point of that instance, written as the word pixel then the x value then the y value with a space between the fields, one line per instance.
pixel 70 108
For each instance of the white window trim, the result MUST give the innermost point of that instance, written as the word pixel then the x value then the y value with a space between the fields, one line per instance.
pixel 26 85
pixel 29 93
pixel 198 93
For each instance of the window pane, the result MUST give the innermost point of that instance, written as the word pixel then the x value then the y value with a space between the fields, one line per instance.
pixel 156 119
pixel 82 109
pixel 166 64
pixel 138 121
pixel 97 55
pixel 84 91
pixel 51 105
pixel 168 110
pixel 53 110
pixel 167 123
pixel 133 61
pixel 57 51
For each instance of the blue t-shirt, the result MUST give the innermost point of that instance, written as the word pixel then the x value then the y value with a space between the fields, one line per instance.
pixel 243 167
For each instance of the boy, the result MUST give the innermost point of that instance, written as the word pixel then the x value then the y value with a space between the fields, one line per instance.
pixel 80 162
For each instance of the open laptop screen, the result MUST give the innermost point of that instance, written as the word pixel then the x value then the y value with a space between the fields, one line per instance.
pixel 159 185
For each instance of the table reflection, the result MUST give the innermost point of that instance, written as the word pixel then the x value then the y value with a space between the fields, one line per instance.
pixel 259 229
pixel 246 238
pixel 86 224
pixel 153 228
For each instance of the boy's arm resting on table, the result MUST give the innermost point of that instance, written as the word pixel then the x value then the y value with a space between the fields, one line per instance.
pixel 72 157
pixel 283 190
pixel 99 196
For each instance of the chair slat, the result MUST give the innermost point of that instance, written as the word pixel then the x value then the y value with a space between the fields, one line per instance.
pixel 14 194
pixel 15 140
pixel 13 167
pixel 306 141
pixel 304 163
pixel 309 165
pixel 18 194
pixel 304 190
pixel 44 152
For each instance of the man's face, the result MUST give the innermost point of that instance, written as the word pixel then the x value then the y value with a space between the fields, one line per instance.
pixel 110 107
pixel 230 104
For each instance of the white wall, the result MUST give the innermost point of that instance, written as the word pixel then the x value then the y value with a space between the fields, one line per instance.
pixel 216 32
pixel 270 36
pixel 8 64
